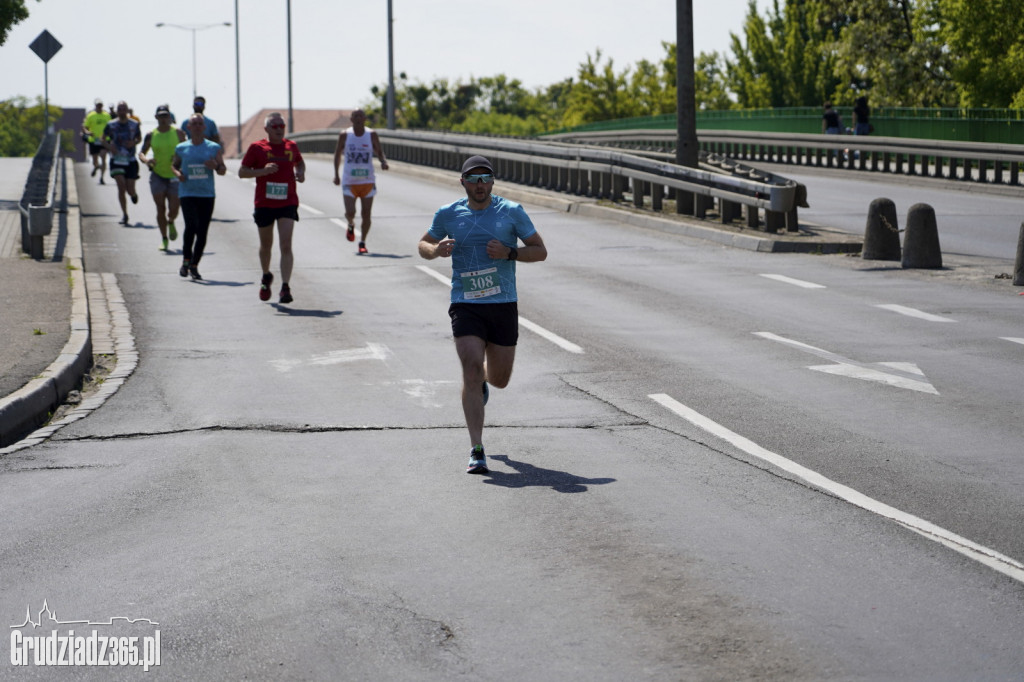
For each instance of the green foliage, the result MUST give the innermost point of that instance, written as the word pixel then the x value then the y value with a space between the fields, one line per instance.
pixel 21 126
pixel 988 39
pixel 903 53
pixel 11 13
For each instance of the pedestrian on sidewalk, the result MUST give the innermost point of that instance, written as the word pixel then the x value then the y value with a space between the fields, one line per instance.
pixel 195 162
pixel 277 165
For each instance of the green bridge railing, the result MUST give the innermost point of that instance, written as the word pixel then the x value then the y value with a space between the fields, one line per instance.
pixel 1000 126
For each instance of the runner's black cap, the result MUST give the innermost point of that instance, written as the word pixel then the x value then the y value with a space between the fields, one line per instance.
pixel 477 162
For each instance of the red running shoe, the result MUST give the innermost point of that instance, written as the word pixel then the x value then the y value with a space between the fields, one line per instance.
pixel 268 278
pixel 351 234
pixel 362 248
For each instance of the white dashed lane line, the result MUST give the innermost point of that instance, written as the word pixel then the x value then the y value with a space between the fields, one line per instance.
pixel 913 312
pixel 795 282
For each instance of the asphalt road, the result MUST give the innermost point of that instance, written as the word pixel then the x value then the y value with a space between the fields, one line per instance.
pixel 756 466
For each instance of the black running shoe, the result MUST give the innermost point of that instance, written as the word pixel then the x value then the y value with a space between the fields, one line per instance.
pixel 193 272
pixel 477 461
pixel 183 271
pixel 135 198
pixel 286 294
pixel 124 220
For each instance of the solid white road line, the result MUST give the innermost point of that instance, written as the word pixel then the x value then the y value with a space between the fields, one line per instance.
pixel 796 282
pixel 913 312
pixel 1013 339
pixel 314 211
pixel 979 553
pixel 564 344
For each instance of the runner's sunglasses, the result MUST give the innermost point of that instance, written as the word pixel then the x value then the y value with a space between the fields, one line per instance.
pixel 475 178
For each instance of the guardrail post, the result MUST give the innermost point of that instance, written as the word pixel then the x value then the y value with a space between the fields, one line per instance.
pixel 684 202
pixel 727 211
pixel 657 195
pixel 638 192
pixel 701 204
pixel 792 220
pixel 1014 173
pixel 1018 269
pixel 882 233
pixel 753 221
pixel 773 220
pixel 584 183
pixel 921 242
pixel 999 172
pixel 618 187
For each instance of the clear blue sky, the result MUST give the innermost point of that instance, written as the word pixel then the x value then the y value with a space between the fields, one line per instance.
pixel 113 50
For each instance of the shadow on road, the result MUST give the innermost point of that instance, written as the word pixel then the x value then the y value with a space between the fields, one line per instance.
pixel 283 309
pixel 529 475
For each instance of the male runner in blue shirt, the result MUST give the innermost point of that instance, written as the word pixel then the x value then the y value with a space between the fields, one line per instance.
pixel 481 234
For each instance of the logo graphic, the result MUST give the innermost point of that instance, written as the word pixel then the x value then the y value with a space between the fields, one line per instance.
pixel 93 649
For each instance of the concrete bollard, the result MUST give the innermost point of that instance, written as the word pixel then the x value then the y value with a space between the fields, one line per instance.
pixel 921 242
pixel 882 234
pixel 1018 269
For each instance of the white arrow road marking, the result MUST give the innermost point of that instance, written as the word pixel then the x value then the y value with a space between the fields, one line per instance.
pixel 372 351
pixel 796 282
pixel 897 374
pixel 914 312
pixel 979 553
pixel 422 390
pixel 1010 338
pixel 533 327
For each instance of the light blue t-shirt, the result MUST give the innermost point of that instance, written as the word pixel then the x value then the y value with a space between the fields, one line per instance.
pixel 210 130
pixel 193 166
pixel 476 277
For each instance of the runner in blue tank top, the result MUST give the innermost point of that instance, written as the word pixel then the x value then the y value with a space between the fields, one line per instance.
pixel 481 234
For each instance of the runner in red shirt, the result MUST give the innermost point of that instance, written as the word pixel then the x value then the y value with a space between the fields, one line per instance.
pixel 277 165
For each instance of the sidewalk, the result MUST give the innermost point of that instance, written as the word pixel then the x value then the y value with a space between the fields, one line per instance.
pixel 44 332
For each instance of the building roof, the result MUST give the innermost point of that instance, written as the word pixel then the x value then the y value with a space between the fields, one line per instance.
pixel 302 120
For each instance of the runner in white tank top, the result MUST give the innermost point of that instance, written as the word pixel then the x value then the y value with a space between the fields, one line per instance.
pixel 358 145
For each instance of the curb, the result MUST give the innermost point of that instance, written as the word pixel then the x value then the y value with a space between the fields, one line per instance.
pixel 588 207
pixel 32 404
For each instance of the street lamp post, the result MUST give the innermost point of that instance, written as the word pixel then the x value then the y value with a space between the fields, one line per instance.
pixel 193 28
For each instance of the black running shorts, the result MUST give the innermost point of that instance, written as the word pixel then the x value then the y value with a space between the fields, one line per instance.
pixel 496 323
pixel 265 217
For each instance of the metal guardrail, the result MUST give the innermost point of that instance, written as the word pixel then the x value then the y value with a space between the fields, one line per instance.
pixel 967 161
pixel 592 171
pixel 40 195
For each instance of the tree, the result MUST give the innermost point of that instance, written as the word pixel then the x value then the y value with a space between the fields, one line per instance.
pixel 21 127
pixel 599 94
pixel 986 41
pixel 787 59
pixel 891 48
pixel 11 13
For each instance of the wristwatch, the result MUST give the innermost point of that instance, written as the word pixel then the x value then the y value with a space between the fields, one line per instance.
pixel 513 253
